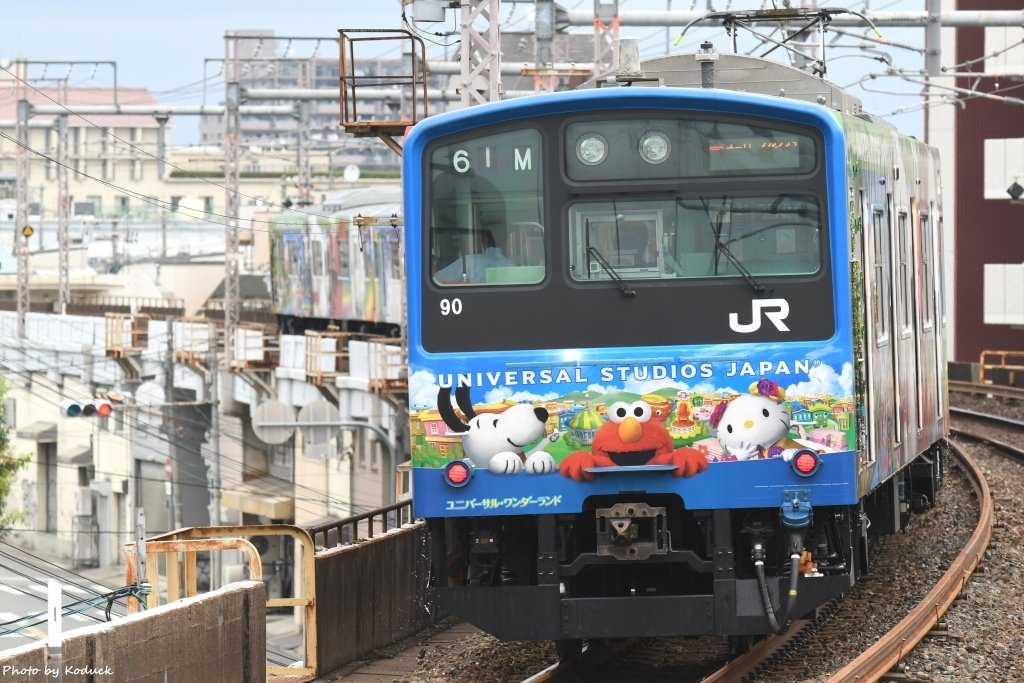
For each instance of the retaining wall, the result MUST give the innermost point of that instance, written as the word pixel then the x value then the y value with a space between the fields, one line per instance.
pixel 371 594
pixel 218 636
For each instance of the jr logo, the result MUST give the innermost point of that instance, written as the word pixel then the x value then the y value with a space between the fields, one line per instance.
pixel 776 310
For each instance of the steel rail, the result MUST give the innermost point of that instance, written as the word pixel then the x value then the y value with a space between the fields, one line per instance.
pixel 763 650
pixel 880 658
pixel 994 390
pixel 987 417
pixel 1007 449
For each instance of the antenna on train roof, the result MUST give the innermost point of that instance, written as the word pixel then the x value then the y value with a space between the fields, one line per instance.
pixel 707 57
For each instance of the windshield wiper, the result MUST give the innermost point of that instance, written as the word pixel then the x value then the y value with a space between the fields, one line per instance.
pixel 623 287
pixel 723 248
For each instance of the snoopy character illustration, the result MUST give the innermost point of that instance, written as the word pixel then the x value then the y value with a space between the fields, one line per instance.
pixel 499 441
pixel 756 425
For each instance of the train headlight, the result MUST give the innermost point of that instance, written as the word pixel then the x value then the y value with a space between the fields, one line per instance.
pixel 457 473
pixel 592 149
pixel 655 147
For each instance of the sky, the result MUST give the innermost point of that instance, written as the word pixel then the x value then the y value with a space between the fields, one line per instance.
pixel 162 45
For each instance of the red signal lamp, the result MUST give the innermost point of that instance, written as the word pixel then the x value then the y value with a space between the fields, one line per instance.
pixel 89 408
pixel 806 462
pixel 457 473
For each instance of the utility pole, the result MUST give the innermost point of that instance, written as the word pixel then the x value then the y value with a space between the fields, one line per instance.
pixel 215 448
pixel 21 197
pixel 115 267
pixel 174 494
pixel 302 111
pixel 232 179
pixel 63 216
pixel 544 46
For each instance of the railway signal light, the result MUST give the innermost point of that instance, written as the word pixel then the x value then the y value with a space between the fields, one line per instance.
pixel 90 408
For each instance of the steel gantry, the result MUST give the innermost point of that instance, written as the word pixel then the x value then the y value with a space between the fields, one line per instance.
pixel 480 54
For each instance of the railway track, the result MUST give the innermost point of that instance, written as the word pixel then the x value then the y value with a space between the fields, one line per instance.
pixel 947 634
pixel 787 654
pixel 986 390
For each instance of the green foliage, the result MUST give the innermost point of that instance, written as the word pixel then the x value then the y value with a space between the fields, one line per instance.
pixel 9 466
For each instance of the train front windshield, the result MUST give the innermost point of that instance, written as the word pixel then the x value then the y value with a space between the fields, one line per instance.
pixel 706 237
pixel 563 206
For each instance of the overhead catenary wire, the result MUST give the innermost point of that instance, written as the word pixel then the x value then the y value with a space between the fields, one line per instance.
pixel 143 151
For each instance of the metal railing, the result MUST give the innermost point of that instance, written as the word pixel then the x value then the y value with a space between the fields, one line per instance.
pixel 1010 362
pixel 361 527
pixel 180 574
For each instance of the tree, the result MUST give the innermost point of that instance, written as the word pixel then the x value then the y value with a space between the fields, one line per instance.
pixel 9 466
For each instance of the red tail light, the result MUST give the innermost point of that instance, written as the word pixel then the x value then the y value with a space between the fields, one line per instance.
pixel 457 473
pixel 806 463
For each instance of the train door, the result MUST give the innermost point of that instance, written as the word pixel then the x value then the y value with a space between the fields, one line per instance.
pixel 898 267
pixel 320 284
pixel 371 266
pixel 907 336
pixel 914 304
pixel 300 282
pixel 338 274
pixel 358 267
pixel 940 314
pixel 393 279
pixel 922 312
pixel 881 371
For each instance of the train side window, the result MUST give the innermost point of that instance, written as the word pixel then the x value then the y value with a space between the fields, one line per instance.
pixel 880 254
pixel 927 273
pixel 905 281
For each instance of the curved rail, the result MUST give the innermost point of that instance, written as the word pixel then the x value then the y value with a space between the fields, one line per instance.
pixel 878 659
pixel 881 657
pixel 996 390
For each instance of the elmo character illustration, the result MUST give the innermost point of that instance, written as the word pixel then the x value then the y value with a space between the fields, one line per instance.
pixel 630 438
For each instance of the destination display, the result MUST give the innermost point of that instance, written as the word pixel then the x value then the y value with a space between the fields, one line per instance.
pixel 739 154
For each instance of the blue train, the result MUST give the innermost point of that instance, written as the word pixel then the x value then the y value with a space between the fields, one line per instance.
pixel 675 353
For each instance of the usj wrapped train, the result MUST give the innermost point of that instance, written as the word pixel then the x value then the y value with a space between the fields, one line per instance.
pixel 344 267
pixel 676 353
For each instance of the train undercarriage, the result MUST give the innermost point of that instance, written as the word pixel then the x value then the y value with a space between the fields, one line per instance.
pixel 637 565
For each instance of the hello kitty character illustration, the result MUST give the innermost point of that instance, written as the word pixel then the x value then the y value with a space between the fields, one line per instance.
pixel 499 441
pixel 755 425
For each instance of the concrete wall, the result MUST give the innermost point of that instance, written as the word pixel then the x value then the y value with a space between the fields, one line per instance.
pixel 218 636
pixel 368 598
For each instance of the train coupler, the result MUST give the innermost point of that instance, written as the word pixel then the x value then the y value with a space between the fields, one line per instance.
pixel 631 531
